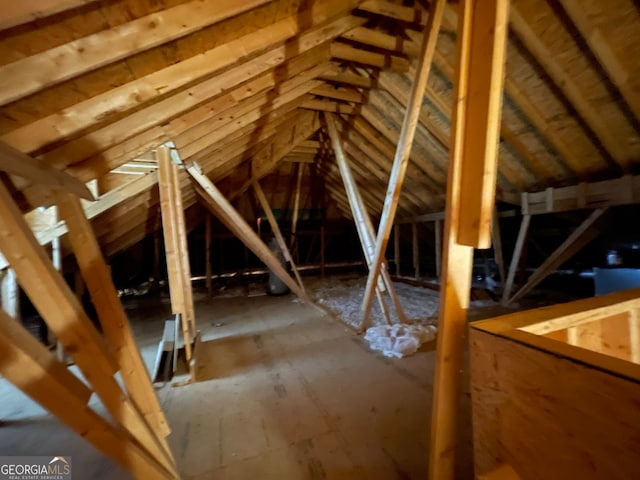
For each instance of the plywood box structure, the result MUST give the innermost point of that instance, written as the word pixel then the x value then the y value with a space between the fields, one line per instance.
pixel 555 390
pixel 161 145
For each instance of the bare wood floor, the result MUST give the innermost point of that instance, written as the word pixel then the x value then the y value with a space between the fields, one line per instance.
pixel 282 393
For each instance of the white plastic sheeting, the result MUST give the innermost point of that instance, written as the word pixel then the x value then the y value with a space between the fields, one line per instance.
pixel 399 340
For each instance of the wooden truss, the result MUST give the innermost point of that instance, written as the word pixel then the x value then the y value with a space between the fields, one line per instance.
pixel 138 440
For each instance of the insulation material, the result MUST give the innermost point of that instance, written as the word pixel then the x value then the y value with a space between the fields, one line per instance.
pixel 399 340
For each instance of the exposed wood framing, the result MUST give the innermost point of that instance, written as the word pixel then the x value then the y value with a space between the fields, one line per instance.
pixel 415 244
pixel 29 366
pixel 568 87
pixel 515 257
pixel 113 319
pixel 275 228
pixel 207 253
pixel 36 171
pixel 403 150
pixel 176 249
pixel 482 34
pixel 220 206
pixel 59 307
pixel 496 242
pixel 363 224
pixel 574 242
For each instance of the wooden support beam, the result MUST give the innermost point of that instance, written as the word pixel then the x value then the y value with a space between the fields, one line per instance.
pixel 482 34
pixel 363 224
pixel 207 252
pixel 344 94
pixel 59 307
pixel 107 46
pixel 394 11
pixel 296 204
pixel 330 106
pixel 38 172
pixel 221 207
pixel 156 86
pixel 111 314
pixel 176 249
pixel 403 150
pixel 379 39
pixel 496 242
pixel 275 228
pixel 437 230
pixel 515 258
pixel 345 52
pixel 339 76
pixel 416 250
pixel 580 237
pixel 28 365
pixel 396 248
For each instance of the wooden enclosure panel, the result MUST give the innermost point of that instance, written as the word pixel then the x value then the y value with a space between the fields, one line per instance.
pixel 550 417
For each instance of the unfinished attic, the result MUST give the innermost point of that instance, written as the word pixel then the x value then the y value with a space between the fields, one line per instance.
pixel 322 239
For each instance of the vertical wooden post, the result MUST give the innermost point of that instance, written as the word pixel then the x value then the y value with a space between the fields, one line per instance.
pixel 396 248
pixel 176 249
pixel 438 248
pixel 296 208
pixel 416 250
pixel 496 238
pixel 322 247
pixel 403 149
pixel 515 258
pixel 207 252
pixel 482 34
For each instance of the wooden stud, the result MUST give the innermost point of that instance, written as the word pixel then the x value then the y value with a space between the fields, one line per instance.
pixel 482 30
pixel 396 248
pixel 403 150
pixel 496 241
pixel 515 258
pixel 437 230
pixel 345 52
pixel 111 314
pixel 416 250
pixel 483 106
pixel 207 252
pixel 172 217
pixel 296 205
pixel 574 242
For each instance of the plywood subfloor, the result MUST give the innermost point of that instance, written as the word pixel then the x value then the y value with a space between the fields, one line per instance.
pixel 282 393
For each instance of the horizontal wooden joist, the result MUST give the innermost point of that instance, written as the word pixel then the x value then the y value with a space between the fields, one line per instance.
pixel 608 193
pixel 342 51
pixel 329 106
pixel 375 38
pixel 432 217
pixel 344 94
